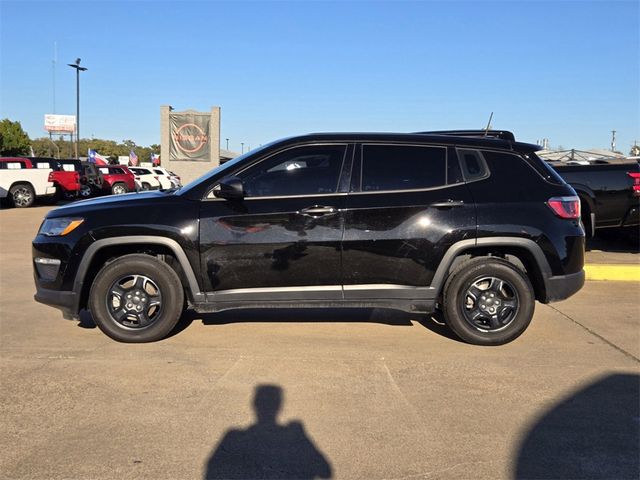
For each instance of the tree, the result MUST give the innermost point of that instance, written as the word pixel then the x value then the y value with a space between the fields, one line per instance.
pixel 13 139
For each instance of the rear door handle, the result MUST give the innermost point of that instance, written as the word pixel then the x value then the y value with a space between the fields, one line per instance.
pixel 318 211
pixel 447 204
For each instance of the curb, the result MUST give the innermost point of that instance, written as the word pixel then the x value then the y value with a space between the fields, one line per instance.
pixel 620 273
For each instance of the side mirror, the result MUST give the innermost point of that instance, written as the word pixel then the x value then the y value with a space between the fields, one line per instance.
pixel 230 188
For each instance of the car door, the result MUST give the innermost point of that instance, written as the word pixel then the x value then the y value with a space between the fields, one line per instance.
pixel 407 206
pixel 282 240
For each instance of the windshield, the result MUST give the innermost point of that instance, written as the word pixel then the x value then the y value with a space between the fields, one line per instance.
pixel 221 168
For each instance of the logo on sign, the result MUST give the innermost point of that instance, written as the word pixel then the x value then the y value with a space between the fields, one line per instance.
pixel 190 138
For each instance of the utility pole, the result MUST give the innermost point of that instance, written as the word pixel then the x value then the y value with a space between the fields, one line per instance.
pixel 78 70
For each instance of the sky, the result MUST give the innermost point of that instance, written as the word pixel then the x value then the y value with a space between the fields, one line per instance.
pixel 568 71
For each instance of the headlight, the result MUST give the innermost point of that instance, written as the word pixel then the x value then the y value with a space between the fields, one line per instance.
pixel 58 227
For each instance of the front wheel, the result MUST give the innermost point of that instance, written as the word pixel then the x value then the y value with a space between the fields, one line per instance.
pixel 119 188
pixel 22 195
pixel 488 301
pixel 136 298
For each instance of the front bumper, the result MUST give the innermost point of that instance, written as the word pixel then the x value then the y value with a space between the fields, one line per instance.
pixel 561 287
pixel 65 301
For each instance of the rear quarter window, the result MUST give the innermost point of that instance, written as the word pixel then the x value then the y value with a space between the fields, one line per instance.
pixel 473 164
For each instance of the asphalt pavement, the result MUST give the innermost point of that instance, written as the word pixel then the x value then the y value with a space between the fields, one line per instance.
pixel 371 394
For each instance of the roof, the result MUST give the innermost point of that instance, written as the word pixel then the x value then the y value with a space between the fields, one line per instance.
pixel 437 138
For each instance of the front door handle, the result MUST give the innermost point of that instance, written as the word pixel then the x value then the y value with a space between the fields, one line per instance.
pixel 318 211
pixel 447 204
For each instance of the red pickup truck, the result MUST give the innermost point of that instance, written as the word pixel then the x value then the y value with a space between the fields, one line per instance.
pixel 64 173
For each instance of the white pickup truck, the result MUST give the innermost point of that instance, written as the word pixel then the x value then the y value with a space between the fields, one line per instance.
pixel 23 185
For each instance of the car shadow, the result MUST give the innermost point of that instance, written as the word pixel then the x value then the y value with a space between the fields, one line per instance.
pixel 593 433
pixel 267 448
pixel 433 322
pixel 618 240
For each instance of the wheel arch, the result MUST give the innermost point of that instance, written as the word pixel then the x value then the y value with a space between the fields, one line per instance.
pixel 526 251
pixel 102 251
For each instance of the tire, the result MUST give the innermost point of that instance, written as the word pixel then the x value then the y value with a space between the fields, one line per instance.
pixel 147 280
pixel 85 191
pixel 119 188
pixel 145 186
pixel 22 195
pixel 488 301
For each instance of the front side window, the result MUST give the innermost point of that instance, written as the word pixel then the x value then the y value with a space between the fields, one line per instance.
pixel 310 170
pixel 402 167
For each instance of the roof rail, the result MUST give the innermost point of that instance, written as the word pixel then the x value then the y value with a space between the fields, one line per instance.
pixel 502 134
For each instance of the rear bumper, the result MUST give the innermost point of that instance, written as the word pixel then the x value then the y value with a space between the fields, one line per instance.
pixel 65 301
pixel 561 287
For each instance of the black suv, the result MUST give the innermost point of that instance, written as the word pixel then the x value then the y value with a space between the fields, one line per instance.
pixel 471 222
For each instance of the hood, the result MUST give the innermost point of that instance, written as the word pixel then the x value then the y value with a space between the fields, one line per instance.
pixel 109 202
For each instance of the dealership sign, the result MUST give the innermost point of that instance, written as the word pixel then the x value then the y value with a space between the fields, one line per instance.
pixel 60 123
pixel 189 139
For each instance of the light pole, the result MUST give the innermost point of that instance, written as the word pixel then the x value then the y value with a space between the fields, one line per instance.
pixel 242 143
pixel 78 70
pixel 227 143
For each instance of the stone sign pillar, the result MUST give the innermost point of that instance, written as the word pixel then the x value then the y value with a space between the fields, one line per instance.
pixel 189 141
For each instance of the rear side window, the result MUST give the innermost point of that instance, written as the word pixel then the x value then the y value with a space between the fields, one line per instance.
pixel 474 166
pixel 403 167
pixel 43 165
pixel 158 172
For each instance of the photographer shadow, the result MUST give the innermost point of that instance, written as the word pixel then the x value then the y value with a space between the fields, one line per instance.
pixel 267 449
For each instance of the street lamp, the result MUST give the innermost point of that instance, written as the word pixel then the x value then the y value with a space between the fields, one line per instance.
pixel 78 70
pixel 242 143
pixel 227 143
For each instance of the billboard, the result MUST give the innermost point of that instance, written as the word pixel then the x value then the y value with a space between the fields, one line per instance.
pixel 60 123
pixel 189 137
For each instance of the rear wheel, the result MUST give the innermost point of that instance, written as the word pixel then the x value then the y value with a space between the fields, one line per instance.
pixel 22 195
pixel 119 188
pixel 488 301
pixel 137 298
pixel 146 186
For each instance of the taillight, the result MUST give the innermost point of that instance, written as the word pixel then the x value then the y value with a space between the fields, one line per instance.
pixel 50 179
pixel 156 178
pixel 565 207
pixel 636 183
pixel 137 178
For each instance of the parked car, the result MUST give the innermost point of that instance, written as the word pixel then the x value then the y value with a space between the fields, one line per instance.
pixel 609 192
pixel 117 179
pixel 145 179
pixel 167 179
pixel 21 184
pixel 413 222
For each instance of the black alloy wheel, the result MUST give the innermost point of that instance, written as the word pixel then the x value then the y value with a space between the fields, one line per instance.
pixel 490 304
pixel 488 301
pixel 136 298
pixel 134 301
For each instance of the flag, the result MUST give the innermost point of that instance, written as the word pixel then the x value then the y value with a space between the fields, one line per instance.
pixel 155 159
pixel 133 158
pixel 95 157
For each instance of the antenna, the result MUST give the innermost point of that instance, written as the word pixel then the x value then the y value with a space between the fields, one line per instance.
pixel 486 131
